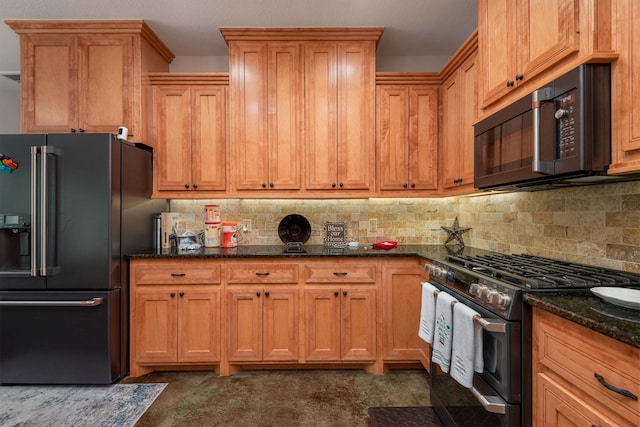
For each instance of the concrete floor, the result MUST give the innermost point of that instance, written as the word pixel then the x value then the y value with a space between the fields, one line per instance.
pixel 280 397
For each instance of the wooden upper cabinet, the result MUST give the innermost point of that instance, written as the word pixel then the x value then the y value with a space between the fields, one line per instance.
pixel 302 109
pixel 524 43
pixel 190 133
pixel 265 122
pixel 86 76
pixel 459 113
pixel 625 82
pixel 339 115
pixel 407 133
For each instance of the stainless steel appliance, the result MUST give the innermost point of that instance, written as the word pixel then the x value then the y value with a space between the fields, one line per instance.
pixel 560 135
pixel 71 207
pixel 493 285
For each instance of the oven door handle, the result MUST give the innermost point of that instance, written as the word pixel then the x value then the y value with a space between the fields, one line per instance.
pixel 492 404
pixel 491 325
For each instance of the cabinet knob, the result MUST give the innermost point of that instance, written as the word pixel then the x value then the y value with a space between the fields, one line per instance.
pixel 344 293
pixel 264 185
pixel 510 83
pixel 181 293
pixel 186 186
pixel 341 184
pixel 336 293
pixel 333 185
pixel 81 130
pixel 195 186
pixel 405 185
pixel 413 185
pixel 172 294
pixel 258 293
pixel 266 294
pixel 519 77
pixel 271 184
pixel 73 130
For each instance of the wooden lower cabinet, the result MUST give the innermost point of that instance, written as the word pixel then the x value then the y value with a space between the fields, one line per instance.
pixel 262 323
pixel 340 323
pixel 400 302
pixel 566 359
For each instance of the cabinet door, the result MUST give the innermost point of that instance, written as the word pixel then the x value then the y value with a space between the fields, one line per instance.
pixel 459 112
pixel 248 118
pixel 172 106
pixel 156 325
pixel 556 406
pixel 423 138
pixel 199 325
pixel 356 114
pixel 106 83
pixel 284 116
pixel 320 106
pixel 401 298
pixel 625 85
pixel 51 98
pixel 244 328
pixel 209 138
pixel 393 137
pixel 358 331
pixel 281 318
pixel 322 324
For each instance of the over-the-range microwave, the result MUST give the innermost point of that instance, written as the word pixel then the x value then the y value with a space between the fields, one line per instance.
pixel 557 136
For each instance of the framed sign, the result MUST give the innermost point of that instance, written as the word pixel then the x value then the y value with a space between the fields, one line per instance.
pixel 335 234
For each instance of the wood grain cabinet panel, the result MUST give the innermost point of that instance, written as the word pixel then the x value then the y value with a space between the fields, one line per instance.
pixel 567 360
pixel 87 76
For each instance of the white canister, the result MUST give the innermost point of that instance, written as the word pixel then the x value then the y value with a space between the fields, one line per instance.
pixel 212 234
pixel 229 238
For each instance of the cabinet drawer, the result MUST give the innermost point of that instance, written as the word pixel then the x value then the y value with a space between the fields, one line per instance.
pixel 337 273
pixel 262 273
pixel 176 273
pixel 576 354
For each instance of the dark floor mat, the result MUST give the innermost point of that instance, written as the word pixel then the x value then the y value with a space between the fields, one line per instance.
pixel 409 416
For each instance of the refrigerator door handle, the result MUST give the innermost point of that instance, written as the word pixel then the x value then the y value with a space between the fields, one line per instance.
pixel 45 268
pixel 94 302
pixel 34 208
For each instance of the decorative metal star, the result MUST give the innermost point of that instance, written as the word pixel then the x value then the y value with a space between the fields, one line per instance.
pixel 455 233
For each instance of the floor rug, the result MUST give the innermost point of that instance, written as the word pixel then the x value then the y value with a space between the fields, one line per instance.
pixel 410 416
pixel 78 406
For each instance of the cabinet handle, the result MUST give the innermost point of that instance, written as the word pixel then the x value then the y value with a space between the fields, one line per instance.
pixel 195 186
pixel 336 293
pixel 172 294
pixel 405 185
pixel 340 273
pixel 519 76
pixel 73 130
pixel 413 185
pixel 271 184
pixel 625 393
pixel 510 83
pixel 266 294
pixel 333 185
pixel 81 130
pixel 181 293
pixel 341 184
pixel 262 273
pixel 264 185
pixel 258 293
pixel 344 293
pixel 178 274
pixel 186 186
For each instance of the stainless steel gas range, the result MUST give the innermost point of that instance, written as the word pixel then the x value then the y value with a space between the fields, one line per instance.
pixel 492 285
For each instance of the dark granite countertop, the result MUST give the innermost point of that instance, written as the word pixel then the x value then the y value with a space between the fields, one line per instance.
pixel 428 252
pixel 586 309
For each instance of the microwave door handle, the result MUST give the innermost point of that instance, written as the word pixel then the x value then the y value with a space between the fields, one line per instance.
pixel 537 98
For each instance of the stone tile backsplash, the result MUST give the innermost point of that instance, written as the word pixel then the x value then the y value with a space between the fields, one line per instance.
pixel 597 225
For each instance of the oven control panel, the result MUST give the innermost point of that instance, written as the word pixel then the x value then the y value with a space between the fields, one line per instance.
pixel 499 297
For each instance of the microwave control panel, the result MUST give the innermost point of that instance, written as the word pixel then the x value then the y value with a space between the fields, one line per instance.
pixel 566 124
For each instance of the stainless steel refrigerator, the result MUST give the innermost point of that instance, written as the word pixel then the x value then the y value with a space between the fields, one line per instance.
pixel 71 207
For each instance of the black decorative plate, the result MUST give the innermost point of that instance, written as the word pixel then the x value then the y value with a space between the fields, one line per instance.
pixel 294 228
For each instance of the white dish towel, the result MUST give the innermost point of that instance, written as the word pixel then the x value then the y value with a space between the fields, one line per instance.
pixel 441 353
pixel 427 312
pixel 466 346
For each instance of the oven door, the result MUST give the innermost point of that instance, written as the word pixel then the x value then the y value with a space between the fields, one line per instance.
pixel 495 399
